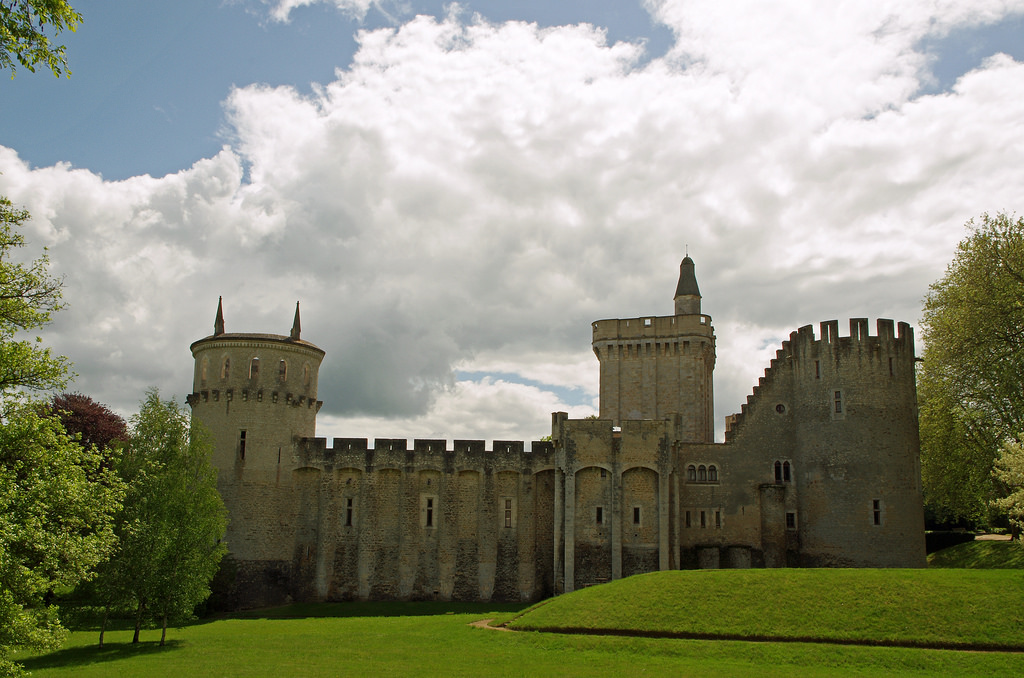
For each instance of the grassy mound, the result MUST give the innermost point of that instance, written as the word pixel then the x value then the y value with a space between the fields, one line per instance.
pixel 980 554
pixel 927 608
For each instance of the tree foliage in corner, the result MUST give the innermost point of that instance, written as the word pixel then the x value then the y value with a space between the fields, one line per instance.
pixel 24 25
pixel 56 499
pixel 173 520
pixel 1009 473
pixel 969 385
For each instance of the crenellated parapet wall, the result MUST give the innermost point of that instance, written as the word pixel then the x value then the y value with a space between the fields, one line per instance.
pixel 816 363
pixel 395 453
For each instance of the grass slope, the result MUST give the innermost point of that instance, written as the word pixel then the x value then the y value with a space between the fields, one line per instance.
pixel 933 608
pixel 980 554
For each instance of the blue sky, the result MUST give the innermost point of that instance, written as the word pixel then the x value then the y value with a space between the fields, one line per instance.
pixel 455 192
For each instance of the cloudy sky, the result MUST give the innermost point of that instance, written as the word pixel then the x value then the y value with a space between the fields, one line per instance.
pixel 455 191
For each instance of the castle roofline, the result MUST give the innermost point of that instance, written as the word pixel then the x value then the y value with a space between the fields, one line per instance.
pixel 256 336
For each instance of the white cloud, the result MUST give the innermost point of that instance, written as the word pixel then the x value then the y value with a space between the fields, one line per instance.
pixel 470 196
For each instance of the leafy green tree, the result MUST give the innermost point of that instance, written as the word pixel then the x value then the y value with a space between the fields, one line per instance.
pixel 1009 473
pixel 24 25
pixel 969 385
pixel 28 297
pixel 56 500
pixel 173 519
pixel 56 524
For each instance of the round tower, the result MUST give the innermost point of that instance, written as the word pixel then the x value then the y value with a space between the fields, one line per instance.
pixel 256 394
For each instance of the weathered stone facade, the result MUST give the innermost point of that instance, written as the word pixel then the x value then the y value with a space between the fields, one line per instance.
pixel 820 468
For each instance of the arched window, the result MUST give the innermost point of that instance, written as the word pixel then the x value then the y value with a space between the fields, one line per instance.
pixel 254 368
pixel 204 366
pixel 778 471
pixel 691 473
pixel 282 371
pixel 225 368
pixel 712 474
pixel 702 474
pixel 786 477
pixel 305 376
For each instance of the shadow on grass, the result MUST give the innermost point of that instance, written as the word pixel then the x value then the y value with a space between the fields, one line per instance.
pixel 376 609
pixel 93 654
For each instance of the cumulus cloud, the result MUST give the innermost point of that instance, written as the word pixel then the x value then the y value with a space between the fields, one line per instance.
pixel 466 197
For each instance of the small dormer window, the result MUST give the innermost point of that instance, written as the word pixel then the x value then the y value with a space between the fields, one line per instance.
pixel 254 368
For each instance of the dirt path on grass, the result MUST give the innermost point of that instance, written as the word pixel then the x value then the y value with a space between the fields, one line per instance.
pixel 486 624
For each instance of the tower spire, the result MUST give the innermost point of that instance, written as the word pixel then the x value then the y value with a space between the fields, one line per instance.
pixel 218 323
pixel 687 293
pixel 296 325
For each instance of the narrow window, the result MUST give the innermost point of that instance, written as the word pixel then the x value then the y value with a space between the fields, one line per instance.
pixel 839 402
pixel 604 473
pixel 817 370
pixel 876 511
pixel 687 518
pixel 254 368
pixel 703 520
pixel 786 477
pixel 348 512
pixel 712 474
pixel 430 512
pixel 241 446
pixel 718 520
pixel 305 376
pixel 636 515
pixel 225 369
pixel 691 473
pixel 282 371
pixel 790 520
pixel 205 366
pixel 891 371
pixel 508 513
pixel 702 474
pixel 778 471
pixel 600 514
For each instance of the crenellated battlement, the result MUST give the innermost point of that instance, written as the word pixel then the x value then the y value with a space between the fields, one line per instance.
pixel 254 396
pixel 889 353
pixel 426 453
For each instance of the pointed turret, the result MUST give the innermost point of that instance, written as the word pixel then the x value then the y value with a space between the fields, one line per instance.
pixel 218 322
pixel 296 325
pixel 687 293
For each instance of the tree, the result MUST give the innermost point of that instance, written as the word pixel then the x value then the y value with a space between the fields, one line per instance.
pixel 89 422
pixel 23 34
pixel 969 385
pixel 28 297
pixel 1009 473
pixel 173 519
pixel 56 507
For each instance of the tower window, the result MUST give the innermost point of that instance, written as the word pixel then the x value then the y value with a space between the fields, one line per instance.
pixel 876 511
pixel 778 471
pixel 430 512
pixel 712 474
pixel 838 399
pixel 636 515
pixel 225 369
pixel 817 369
pixel 241 446
pixel 604 473
pixel 282 371
pixel 508 513
pixel 786 477
pixel 718 520
pixel 702 474
pixel 254 368
pixel 348 512
pixel 790 520
pixel 691 473
pixel 703 520
pixel 600 515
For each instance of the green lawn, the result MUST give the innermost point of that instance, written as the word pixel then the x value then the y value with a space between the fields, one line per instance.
pixel 980 554
pixel 436 638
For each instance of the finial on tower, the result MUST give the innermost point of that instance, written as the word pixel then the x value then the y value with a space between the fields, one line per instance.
pixel 687 293
pixel 218 323
pixel 296 325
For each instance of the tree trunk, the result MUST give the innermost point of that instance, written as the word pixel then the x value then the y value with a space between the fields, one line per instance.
pixel 163 634
pixel 138 622
pixel 103 625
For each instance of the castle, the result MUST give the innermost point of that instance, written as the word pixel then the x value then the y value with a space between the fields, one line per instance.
pixel 820 468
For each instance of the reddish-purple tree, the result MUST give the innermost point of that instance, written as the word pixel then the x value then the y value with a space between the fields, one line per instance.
pixel 96 423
